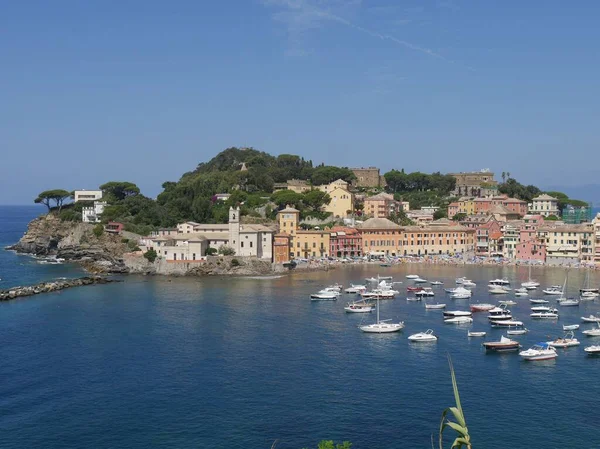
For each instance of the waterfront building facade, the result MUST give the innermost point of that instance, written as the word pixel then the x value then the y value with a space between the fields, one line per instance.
pixel 567 244
pixel 345 242
pixel 530 247
pixel 596 229
pixel 341 203
pixel 92 214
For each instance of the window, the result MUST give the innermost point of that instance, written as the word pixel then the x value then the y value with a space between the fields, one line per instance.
pixel 242 244
pixel 194 256
pixel 250 244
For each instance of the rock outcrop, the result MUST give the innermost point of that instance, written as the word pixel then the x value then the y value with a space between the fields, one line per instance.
pixel 74 242
pixel 53 286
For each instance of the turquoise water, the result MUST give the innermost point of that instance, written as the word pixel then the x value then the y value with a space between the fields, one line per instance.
pixel 239 363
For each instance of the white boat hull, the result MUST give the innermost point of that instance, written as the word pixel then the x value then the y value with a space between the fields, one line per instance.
pixel 382 328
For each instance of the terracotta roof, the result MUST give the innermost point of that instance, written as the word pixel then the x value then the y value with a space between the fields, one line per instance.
pixel 379 223
pixel 380 197
pixel 544 197
pixel 500 209
pixel 289 209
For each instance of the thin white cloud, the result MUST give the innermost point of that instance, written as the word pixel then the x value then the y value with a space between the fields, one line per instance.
pixel 301 16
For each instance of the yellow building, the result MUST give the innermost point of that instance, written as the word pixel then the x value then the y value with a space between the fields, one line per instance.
pixel 306 244
pixel 341 204
pixel 467 206
pixel 568 244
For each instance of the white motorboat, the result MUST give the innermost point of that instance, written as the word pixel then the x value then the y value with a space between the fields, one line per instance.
pixel 541 351
pixel 414 298
pixel 428 292
pixel 569 302
pixel 525 293
pixel 588 296
pixel 592 332
pixel 460 293
pixel 570 327
pixel 460 280
pixel 553 290
pixel 564 342
pixel 324 296
pixel 521 290
pixel 378 294
pixel 538 301
pixel 459 320
pixel 481 307
pixel 412 276
pixel 498 290
pixel 499 282
pixel 592 350
pixel 544 309
pixel 382 326
pixel 435 306
pixel 356 288
pixel 517 331
pixel 332 289
pixel 504 345
pixel 359 307
pixel 506 323
pixel 499 313
pixel 455 313
pixel 469 283
pixel 476 334
pixel 420 281
pixel 548 315
pixel 507 302
pixel 436 282
pixel 591 319
pixel 530 284
pixel 423 336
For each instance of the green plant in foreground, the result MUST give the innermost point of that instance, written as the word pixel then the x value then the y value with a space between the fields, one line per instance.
pixel 463 440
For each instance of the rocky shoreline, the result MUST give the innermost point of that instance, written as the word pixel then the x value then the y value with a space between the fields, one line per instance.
pixel 51 286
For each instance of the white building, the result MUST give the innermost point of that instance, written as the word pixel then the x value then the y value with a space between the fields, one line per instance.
pixel 92 214
pixel 246 240
pixel 544 205
pixel 87 195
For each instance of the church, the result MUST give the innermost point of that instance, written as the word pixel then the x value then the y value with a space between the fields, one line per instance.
pixel 189 241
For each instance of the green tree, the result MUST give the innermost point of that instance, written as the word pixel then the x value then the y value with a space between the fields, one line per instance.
pixel 401 218
pixel 151 255
pixel 325 174
pixel 226 250
pixel 56 195
pixel 459 217
pixel 119 190
pixel 98 230
pixel 315 199
pixel 210 251
pixel 440 213
pixel 287 197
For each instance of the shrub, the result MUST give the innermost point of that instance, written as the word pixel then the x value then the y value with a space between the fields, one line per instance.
pixel 124 240
pixel 98 230
pixel 211 251
pixel 132 245
pixel 235 263
pixel 150 255
pixel 226 250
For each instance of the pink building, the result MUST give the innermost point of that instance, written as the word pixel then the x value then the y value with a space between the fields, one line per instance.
pixel 530 247
pixel 485 205
pixel 453 209
pixel 484 235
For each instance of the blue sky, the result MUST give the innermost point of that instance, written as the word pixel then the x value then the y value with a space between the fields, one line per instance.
pixel 143 91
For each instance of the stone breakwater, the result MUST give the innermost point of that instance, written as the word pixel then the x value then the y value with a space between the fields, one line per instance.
pixel 52 286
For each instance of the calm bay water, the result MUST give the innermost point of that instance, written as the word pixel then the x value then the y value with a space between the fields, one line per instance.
pixel 238 363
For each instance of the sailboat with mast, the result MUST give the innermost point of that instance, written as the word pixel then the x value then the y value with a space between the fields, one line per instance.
pixel 588 292
pixel 382 326
pixel 563 300
pixel 530 284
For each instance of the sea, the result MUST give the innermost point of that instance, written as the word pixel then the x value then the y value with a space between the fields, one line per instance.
pixel 155 362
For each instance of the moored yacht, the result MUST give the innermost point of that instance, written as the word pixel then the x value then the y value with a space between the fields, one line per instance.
pixel 504 345
pixel 423 336
pixel 541 351
pixel 564 342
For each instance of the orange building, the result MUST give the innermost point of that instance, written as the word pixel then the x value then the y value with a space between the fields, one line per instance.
pixel 281 248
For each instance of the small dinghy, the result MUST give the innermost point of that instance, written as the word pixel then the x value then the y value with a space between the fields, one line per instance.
pixel 590 319
pixel 476 334
pixel 517 331
pixel 538 301
pixel 435 306
pixel 459 320
pixel 592 350
pixel 570 327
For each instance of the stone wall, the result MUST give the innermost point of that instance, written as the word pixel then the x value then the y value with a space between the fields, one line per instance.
pixel 367 177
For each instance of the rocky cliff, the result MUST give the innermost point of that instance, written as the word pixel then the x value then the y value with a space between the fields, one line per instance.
pixel 49 236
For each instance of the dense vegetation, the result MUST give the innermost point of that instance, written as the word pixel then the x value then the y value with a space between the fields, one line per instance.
pixel 250 176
